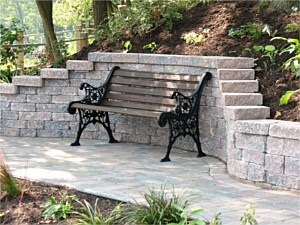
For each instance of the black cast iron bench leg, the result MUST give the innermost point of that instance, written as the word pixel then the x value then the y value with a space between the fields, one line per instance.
pixel 86 117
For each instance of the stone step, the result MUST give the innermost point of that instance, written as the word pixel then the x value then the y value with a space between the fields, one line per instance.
pixel 54 73
pixel 80 65
pixel 242 99
pixel 236 74
pixel 246 112
pixel 7 88
pixel 28 81
pixel 239 86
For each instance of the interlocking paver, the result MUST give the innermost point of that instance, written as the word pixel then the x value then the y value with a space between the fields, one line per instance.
pixel 126 171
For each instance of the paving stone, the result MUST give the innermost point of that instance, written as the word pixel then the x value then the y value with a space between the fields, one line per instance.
pixel 285 129
pixel 240 99
pixel 239 86
pixel 80 65
pixel 236 74
pixel 6 88
pixel 246 112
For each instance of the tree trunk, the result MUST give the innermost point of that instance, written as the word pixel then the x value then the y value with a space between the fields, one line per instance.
pixel 101 11
pixel 45 9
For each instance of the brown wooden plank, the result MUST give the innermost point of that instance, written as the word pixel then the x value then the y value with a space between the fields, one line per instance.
pixel 149 107
pixel 142 91
pixel 159 76
pixel 124 111
pixel 140 98
pixel 158 84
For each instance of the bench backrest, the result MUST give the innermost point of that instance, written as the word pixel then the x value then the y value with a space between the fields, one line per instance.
pixel 148 90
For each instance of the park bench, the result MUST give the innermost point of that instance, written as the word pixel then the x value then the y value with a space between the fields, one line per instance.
pixel 170 98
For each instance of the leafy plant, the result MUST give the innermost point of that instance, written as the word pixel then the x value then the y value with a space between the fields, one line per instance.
pixel 8 54
pixel 292 47
pixel 286 97
pixel 248 217
pixel 251 30
pixel 151 46
pixel 193 38
pixel 59 209
pixel 127 46
pixel 90 215
pixel 160 208
pixel 292 28
pixel 8 183
pixel 186 217
pixel 269 51
pixel 63 51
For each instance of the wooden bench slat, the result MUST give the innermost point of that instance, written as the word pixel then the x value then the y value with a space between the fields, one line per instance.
pixel 159 76
pixel 140 98
pixel 124 111
pixel 150 107
pixel 144 91
pixel 155 83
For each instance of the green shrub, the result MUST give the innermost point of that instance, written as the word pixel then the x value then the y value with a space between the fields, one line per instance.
pixel 90 215
pixel 252 31
pixel 8 183
pixel 59 209
pixel 160 208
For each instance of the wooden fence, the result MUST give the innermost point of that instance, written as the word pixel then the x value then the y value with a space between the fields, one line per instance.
pixel 82 35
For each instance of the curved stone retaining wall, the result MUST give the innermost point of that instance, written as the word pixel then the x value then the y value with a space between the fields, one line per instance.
pixel 230 116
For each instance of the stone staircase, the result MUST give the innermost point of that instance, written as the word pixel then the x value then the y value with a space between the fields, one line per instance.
pixel 239 95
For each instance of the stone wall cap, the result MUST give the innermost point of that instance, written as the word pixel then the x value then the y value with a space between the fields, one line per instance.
pixel 54 73
pixel 8 88
pixel 164 59
pixel 28 81
pixel 285 129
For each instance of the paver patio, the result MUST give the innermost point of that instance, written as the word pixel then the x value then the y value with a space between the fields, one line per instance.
pixel 126 171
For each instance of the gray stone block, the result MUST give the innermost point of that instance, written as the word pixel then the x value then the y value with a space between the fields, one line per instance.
pixel 292 166
pixel 6 88
pixel 256 172
pixel 238 168
pixel 11 132
pixel 13 123
pixel 239 86
pixel 254 157
pixel 56 125
pixel 35 124
pixel 274 164
pixel 24 107
pixel 13 98
pixel 54 73
pixel 63 117
pixel 283 180
pixel 28 133
pixel 101 66
pixel 246 112
pixel 251 142
pixel 275 146
pixel 236 74
pixel 285 129
pixel 80 65
pixel 39 98
pixel 50 91
pixel 54 108
pixel 28 90
pixel 29 81
pixel 49 133
pixel 291 148
pixel 10 115
pixel 57 83
pixel 77 74
pixel 35 116
pixel 253 126
pixel 5 105
pixel 242 99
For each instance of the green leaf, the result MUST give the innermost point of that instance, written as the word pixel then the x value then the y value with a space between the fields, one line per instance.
pixel 258 48
pixel 270 48
pixel 197 222
pixel 196 212
pixel 286 97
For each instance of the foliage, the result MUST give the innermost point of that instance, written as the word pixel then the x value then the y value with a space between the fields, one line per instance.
pixel 68 13
pixel 193 38
pixel 127 46
pixel 186 217
pixel 8 54
pixel 141 17
pixel 90 215
pixel 286 97
pixel 63 53
pixel 160 208
pixel 251 30
pixel 248 217
pixel 59 209
pixel 151 46
pixel 292 28
pixel 292 47
pixel 8 182
pixel 278 5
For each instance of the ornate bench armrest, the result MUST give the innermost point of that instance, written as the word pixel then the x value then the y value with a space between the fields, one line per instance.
pixel 93 95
